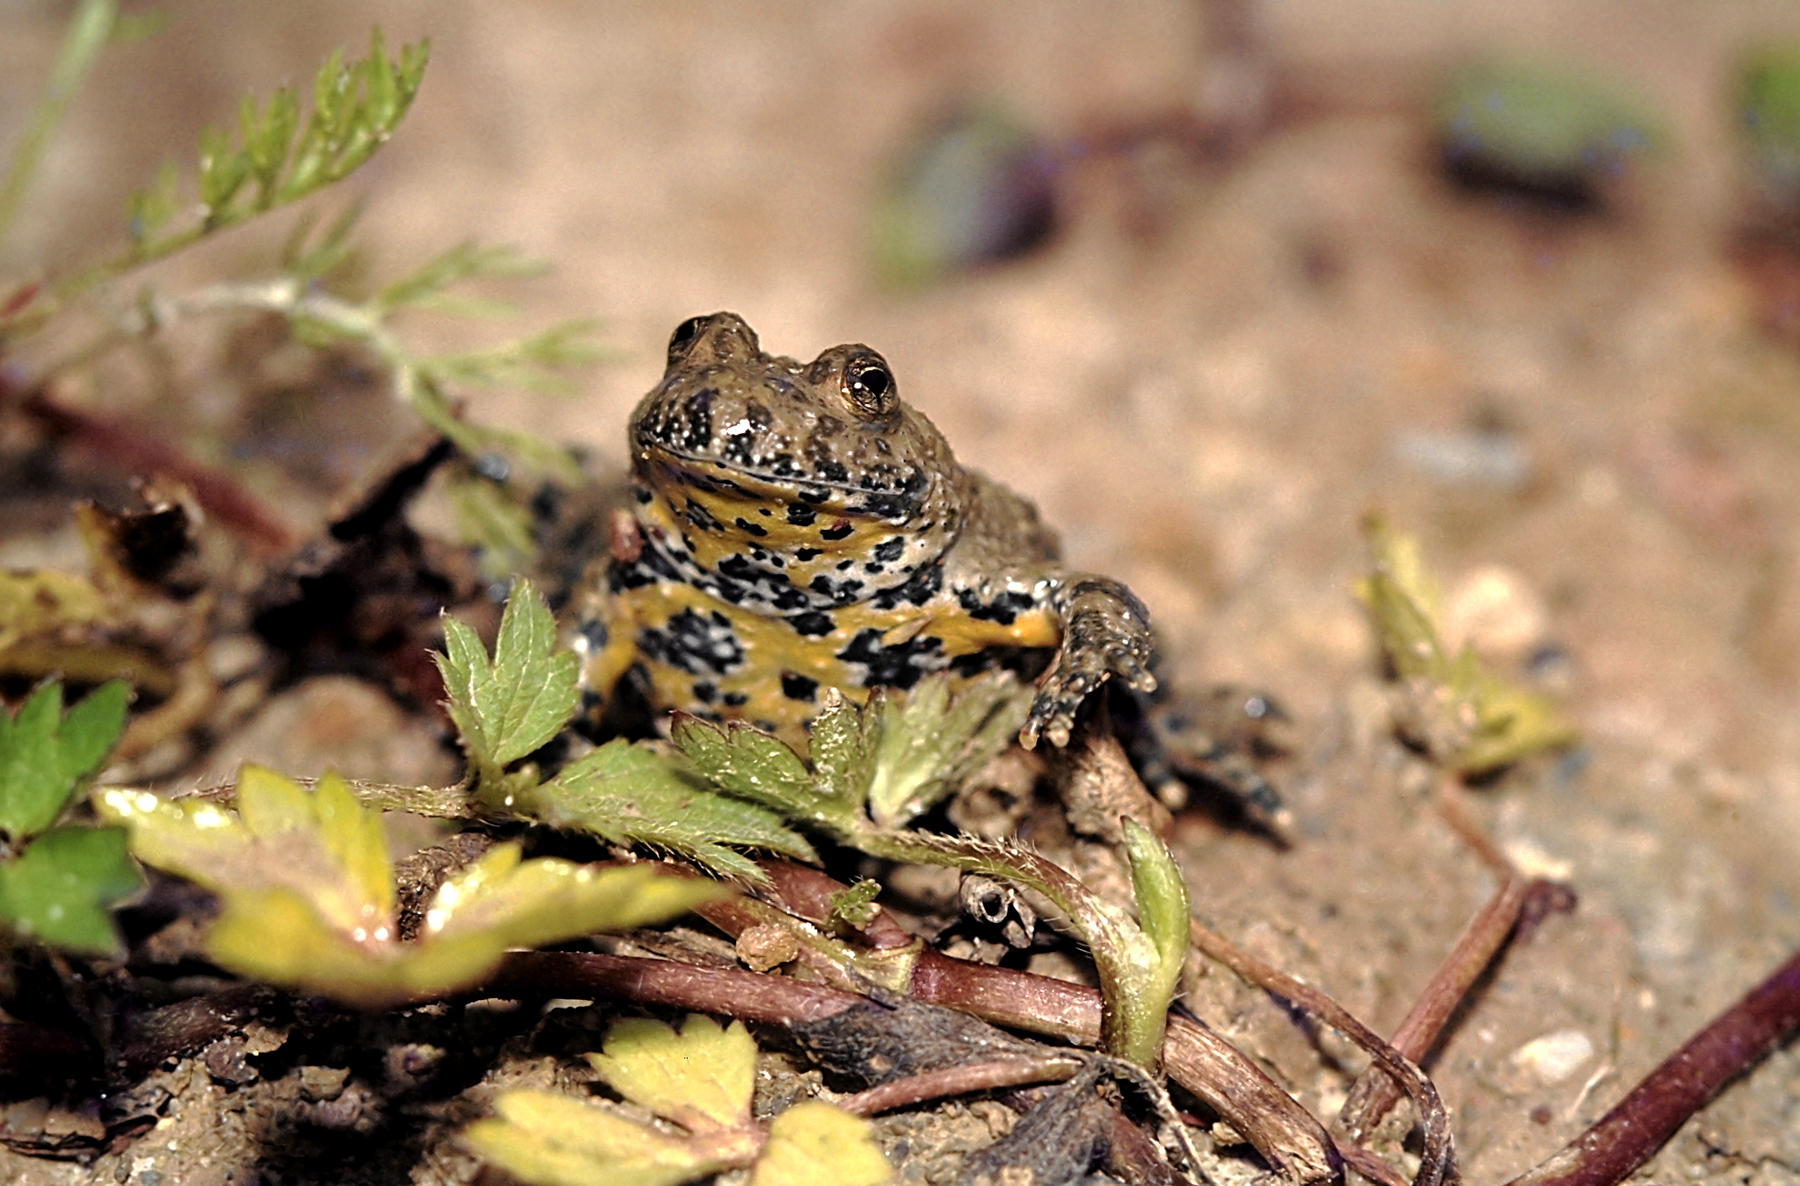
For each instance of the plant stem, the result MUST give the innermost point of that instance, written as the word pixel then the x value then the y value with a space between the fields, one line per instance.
pixel 88 32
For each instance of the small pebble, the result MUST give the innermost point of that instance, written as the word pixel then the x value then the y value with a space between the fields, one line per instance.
pixel 1555 1056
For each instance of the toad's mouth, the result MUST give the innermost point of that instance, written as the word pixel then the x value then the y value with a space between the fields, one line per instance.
pixel 785 484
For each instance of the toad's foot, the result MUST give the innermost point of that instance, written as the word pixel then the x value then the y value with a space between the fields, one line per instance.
pixel 1107 633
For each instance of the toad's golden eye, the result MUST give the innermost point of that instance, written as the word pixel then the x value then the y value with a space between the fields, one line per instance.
pixel 683 337
pixel 869 387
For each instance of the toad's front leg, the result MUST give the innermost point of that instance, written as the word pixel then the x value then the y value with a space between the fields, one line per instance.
pixel 1105 633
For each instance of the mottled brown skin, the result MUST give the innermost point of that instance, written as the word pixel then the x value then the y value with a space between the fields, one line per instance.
pixel 797 527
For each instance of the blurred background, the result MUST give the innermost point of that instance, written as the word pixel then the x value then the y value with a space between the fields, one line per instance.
pixel 1208 281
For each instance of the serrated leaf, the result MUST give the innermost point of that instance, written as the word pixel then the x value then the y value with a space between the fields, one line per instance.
pixel 547 1139
pixel 308 902
pixel 701 1077
pixel 59 890
pixel 533 691
pixel 630 794
pixel 44 754
pixel 752 765
pixel 508 708
pixel 531 903
pixel 815 1144
pixel 463 663
pixel 839 751
pixel 927 741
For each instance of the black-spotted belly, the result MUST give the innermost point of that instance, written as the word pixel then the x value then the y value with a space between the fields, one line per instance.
pixel 723 662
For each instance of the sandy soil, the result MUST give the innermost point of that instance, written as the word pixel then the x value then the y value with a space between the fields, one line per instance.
pixel 1204 381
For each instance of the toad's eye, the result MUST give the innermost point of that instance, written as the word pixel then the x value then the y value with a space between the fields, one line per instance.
pixel 684 335
pixel 869 387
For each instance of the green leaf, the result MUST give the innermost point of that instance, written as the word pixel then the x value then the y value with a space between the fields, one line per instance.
pixel 929 741
pixel 701 1078
pixel 307 894
pixel 547 1139
pixel 1162 907
pixel 631 794
pixel 426 285
pixel 815 1144
pixel 529 363
pixel 490 518
pixel 45 754
pixel 60 889
pixel 507 709
pixel 88 31
pixel 854 908
pixel 752 765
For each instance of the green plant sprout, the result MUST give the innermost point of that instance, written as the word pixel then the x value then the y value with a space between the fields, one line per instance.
pixel 57 883
pixel 313 868
pixel 281 152
pixel 1470 720
pixel 700 1079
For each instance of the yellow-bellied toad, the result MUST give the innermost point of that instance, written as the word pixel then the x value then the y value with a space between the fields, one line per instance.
pixel 796 527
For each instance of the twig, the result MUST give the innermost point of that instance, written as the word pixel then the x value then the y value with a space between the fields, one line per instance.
pixel 1374 1093
pixel 1437 1161
pixel 1681 1085
pixel 930 1085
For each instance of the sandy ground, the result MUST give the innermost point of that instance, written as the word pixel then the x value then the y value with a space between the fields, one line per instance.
pixel 1204 381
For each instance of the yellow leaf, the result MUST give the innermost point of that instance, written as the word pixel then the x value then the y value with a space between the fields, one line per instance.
pixel 815 1144
pixel 43 600
pixel 701 1078
pixel 307 892
pixel 547 1139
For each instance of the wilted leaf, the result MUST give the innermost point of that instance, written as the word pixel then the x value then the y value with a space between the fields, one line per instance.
pixel 1470 719
pixel 701 1078
pixel 815 1144
pixel 44 753
pixel 312 870
pixel 60 889
pixel 630 794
